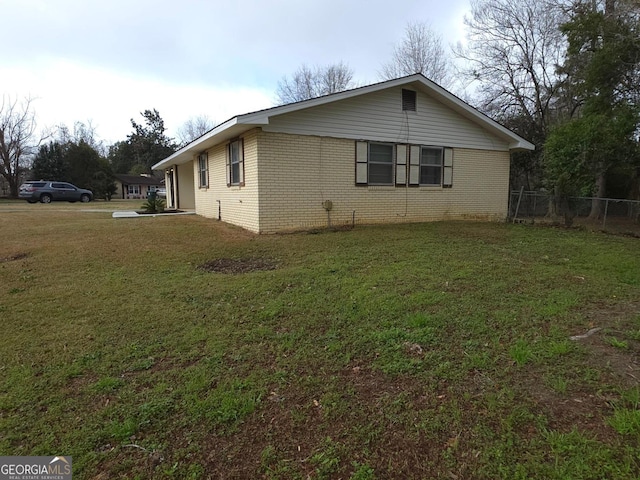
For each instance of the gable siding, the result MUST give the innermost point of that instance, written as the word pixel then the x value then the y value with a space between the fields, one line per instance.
pixel 297 173
pixel 379 116
pixel 238 205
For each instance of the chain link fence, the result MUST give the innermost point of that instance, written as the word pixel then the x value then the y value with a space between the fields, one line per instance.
pixel 615 215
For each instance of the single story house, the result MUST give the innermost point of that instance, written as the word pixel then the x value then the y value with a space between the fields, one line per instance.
pixel 136 186
pixel 403 150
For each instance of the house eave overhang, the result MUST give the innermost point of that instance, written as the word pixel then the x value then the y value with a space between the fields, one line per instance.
pixel 238 125
pixel 218 134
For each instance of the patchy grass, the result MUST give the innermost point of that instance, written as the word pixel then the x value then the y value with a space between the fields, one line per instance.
pixel 415 351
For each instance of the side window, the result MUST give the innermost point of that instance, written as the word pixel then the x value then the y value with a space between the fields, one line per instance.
pixel 235 163
pixel 402 165
pixel 203 170
pixel 431 166
pixel 380 164
pixel 374 163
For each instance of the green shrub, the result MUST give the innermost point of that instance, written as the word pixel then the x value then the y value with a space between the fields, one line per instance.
pixel 153 205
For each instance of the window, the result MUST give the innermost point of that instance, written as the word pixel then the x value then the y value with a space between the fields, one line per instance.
pixel 431 166
pixel 408 100
pixel 203 170
pixel 374 163
pixel 380 164
pixel 65 186
pixel 134 189
pixel 403 165
pixel 235 163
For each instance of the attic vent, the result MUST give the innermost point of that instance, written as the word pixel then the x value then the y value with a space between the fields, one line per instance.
pixel 408 100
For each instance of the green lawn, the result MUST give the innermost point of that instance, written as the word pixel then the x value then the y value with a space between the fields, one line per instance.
pixel 435 350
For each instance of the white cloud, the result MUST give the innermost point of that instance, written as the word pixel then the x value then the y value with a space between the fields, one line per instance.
pixel 108 61
pixel 67 92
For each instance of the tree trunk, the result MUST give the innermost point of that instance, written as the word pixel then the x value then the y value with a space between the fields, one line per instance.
pixel 13 188
pixel 13 183
pixel 610 7
pixel 596 203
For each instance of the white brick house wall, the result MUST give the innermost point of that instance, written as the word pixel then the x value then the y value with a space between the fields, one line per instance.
pixel 288 177
pixel 298 156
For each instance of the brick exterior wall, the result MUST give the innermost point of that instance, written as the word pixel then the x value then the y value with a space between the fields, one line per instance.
pixel 298 173
pixel 288 177
pixel 238 205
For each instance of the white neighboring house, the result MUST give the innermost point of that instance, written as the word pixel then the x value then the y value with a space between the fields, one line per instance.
pixel 404 150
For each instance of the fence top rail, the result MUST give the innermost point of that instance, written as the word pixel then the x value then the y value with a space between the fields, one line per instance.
pixel 532 193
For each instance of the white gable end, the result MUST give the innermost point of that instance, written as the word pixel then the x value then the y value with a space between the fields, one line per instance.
pixel 374 113
pixel 378 116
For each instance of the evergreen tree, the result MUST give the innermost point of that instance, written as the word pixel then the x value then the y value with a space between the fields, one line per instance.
pixel 121 157
pixel 601 67
pixel 77 162
pixel 49 163
pixel 149 143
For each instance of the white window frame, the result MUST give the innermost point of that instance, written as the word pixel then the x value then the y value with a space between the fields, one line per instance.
pixel 203 170
pixel 389 164
pixel 235 163
pixel 364 163
pixel 424 165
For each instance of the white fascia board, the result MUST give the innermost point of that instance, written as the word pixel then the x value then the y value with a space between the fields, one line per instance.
pixel 521 146
pixel 186 153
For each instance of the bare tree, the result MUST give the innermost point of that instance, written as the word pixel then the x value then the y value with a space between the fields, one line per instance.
pixel 513 50
pixel 193 128
pixel 82 131
pixel 311 82
pixel 511 57
pixel 18 140
pixel 420 51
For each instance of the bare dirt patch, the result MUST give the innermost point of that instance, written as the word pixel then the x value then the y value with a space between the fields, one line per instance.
pixel 14 257
pixel 582 406
pixel 619 322
pixel 235 266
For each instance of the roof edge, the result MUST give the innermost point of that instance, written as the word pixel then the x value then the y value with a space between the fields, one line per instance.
pixel 261 117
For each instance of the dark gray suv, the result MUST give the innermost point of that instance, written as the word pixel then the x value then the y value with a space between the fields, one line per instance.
pixel 47 192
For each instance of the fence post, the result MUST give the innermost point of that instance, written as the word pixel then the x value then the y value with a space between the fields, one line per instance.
pixel 518 206
pixel 604 219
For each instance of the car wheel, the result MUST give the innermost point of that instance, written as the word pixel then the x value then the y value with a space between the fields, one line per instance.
pixel 85 198
pixel 45 198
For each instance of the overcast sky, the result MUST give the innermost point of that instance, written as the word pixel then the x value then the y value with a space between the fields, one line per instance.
pixel 106 61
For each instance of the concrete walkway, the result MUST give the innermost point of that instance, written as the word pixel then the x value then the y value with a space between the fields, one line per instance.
pixel 134 214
